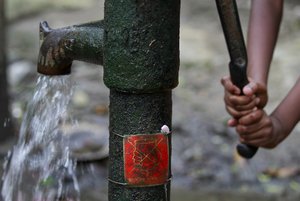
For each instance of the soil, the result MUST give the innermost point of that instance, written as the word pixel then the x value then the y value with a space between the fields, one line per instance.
pixel 204 164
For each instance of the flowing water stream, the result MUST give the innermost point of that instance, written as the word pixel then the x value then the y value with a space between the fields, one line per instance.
pixel 39 168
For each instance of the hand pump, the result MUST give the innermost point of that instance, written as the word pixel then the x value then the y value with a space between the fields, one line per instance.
pixel 138 44
pixel 141 60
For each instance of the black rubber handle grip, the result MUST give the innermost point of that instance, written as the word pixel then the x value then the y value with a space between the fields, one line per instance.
pixel 246 151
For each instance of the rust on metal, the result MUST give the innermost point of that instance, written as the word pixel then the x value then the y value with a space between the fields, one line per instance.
pixel 52 59
pixel 60 47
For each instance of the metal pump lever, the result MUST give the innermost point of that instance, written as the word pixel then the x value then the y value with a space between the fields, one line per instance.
pixel 231 25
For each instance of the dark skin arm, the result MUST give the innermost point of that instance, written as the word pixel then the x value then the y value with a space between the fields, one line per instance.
pixel 263 30
pixel 264 24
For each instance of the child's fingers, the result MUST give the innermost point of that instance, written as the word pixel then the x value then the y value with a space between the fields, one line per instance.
pixel 258 142
pixel 258 139
pixel 252 118
pixel 232 122
pixel 250 89
pixel 240 100
pixel 250 106
pixel 237 114
pixel 229 86
pixel 258 90
pixel 239 103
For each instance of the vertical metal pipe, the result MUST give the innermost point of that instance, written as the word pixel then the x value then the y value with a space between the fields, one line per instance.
pixel 141 62
pixel 6 127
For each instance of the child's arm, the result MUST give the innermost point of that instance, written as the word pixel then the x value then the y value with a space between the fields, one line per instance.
pixel 263 30
pixel 288 112
pixel 264 24
pixel 262 130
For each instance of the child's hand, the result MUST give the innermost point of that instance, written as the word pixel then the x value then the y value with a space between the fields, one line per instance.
pixel 259 129
pixel 237 105
pixel 258 90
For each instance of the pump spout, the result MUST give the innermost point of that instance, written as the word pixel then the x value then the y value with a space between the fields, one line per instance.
pixel 60 47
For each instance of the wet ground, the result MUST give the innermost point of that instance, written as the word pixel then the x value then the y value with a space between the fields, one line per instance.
pixel 205 165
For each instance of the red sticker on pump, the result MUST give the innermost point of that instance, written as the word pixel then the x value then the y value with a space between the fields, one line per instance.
pixel 146 159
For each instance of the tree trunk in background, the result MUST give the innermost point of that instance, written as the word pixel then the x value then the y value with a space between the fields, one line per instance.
pixel 6 130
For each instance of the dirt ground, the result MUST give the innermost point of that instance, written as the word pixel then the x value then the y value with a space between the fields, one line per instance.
pixel 205 165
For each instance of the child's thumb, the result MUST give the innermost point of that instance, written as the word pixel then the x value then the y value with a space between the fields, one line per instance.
pixel 250 89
